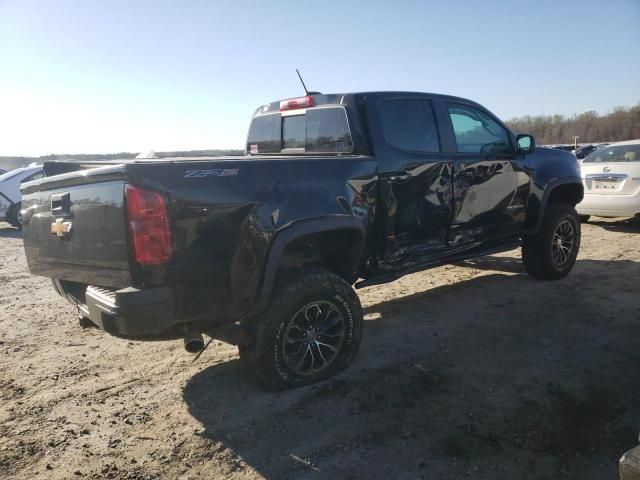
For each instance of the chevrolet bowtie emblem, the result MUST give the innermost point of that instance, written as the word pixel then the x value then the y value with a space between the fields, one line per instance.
pixel 61 228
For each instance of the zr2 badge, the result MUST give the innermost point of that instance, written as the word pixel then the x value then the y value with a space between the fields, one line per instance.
pixel 214 172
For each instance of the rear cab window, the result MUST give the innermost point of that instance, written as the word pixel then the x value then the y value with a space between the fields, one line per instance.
pixel 312 130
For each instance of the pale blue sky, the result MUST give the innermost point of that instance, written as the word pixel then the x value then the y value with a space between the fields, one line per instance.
pixel 109 76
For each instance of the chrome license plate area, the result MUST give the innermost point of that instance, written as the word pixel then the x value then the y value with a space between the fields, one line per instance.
pixel 605 184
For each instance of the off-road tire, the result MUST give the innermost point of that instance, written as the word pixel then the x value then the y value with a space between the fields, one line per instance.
pixel 537 250
pixel 262 347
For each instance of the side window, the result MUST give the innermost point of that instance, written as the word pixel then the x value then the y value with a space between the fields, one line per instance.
pixel 35 176
pixel 409 125
pixel 477 132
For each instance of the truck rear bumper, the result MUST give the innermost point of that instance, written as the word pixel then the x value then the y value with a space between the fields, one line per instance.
pixel 127 312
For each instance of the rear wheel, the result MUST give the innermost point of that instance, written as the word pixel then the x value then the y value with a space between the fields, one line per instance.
pixel 551 253
pixel 310 332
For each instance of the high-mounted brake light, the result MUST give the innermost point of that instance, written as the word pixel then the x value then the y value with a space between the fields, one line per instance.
pixel 148 226
pixel 294 103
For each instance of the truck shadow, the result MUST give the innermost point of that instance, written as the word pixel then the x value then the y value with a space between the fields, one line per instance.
pixel 622 226
pixel 494 372
pixel 495 263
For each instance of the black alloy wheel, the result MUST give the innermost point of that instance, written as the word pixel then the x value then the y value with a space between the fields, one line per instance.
pixel 313 338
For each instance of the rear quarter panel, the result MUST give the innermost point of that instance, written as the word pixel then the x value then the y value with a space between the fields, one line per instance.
pixel 226 214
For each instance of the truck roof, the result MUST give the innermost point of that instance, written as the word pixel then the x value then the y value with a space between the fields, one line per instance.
pixel 339 98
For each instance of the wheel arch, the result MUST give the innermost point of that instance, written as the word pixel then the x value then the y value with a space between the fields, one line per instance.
pixel 335 243
pixel 562 190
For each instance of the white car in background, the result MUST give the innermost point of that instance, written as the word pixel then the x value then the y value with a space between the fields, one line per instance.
pixel 611 177
pixel 10 192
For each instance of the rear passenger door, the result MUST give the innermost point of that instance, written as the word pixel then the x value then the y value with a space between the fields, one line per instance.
pixel 415 183
pixel 489 187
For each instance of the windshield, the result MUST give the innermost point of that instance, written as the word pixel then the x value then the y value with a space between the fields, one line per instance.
pixel 616 153
pixel 317 130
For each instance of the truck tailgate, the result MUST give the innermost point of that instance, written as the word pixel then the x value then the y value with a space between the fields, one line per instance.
pixel 75 227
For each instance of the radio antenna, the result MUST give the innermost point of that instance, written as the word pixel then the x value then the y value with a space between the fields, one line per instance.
pixel 302 81
pixel 305 87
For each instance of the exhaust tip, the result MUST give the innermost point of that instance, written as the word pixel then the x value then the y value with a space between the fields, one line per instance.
pixel 193 345
pixel 193 341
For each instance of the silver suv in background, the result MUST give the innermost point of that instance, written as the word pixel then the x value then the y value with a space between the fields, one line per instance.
pixel 10 198
pixel 611 177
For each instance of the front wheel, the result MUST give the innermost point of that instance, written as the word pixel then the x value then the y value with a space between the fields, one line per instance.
pixel 311 331
pixel 15 215
pixel 551 253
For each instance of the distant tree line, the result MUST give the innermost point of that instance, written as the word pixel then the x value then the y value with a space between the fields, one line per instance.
pixel 15 162
pixel 621 124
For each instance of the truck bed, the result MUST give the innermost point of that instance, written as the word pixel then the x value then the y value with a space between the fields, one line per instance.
pixel 223 214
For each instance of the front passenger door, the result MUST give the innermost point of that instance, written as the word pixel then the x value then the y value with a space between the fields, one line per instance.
pixel 489 189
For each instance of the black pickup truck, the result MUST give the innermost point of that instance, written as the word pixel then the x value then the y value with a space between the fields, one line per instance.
pixel 334 190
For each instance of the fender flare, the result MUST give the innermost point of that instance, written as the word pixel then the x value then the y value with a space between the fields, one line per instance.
pixel 300 229
pixel 550 187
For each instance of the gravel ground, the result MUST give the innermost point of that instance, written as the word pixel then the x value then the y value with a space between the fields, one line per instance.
pixel 472 370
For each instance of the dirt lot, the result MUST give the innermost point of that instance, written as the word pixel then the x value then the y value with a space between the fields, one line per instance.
pixel 467 371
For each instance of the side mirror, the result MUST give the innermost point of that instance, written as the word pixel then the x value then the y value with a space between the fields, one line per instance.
pixel 526 144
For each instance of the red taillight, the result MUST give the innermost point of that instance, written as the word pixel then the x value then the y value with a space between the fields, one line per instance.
pixel 294 103
pixel 148 226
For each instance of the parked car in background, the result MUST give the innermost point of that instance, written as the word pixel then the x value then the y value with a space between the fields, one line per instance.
pixel 566 148
pixel 3 170
pixel 10 199
pixel 584 151
pixel 611 177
